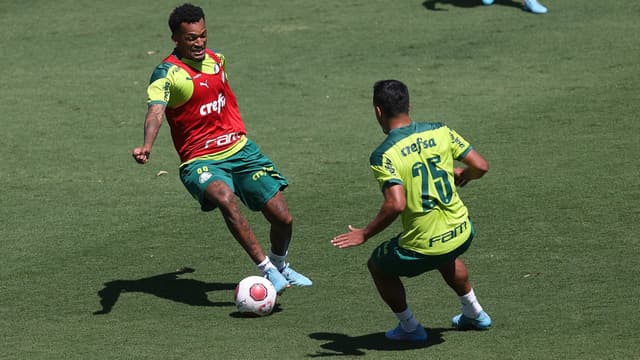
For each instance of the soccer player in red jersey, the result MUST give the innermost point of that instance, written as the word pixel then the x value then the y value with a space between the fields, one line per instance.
pixel 218 160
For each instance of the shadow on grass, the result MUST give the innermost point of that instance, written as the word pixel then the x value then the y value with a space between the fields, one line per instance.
pixel 345 345
pixel 239 315
pixel 433 4
pixel 166 286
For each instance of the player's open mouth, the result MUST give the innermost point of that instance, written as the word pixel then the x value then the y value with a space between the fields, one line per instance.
pixel 197 52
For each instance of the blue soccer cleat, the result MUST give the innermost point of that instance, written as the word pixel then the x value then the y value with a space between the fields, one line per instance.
pixel 399 334
pixel 487 2
pixel 534 6
pixel 277 279
pixel 295 278
pixel 461 322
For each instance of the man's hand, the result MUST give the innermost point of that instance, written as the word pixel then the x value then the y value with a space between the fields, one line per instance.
pixel 140 155
pixel 354 237
pixel 459 178
pixel 477 166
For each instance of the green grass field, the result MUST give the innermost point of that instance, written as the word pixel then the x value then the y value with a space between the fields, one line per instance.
pixel 551 100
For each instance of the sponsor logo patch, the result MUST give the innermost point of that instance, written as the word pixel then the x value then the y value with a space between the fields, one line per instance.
pixel 204 177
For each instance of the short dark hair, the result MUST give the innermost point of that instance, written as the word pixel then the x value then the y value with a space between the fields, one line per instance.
pixel 185 13
pixel 391 96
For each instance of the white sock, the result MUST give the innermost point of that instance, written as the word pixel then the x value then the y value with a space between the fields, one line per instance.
pixel 408 322
pixel 470 306
pixel 266 265
pixel 279 261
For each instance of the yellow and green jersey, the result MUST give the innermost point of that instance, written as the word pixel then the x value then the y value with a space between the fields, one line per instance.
pixel 420 157
pixel 172 85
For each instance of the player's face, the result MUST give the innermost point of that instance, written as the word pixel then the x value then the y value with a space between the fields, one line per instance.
pixel 191 40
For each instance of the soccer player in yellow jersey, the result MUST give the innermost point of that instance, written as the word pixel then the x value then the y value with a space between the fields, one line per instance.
pixel 414 167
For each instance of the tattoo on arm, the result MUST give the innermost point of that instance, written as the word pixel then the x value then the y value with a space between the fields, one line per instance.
pixel 152 123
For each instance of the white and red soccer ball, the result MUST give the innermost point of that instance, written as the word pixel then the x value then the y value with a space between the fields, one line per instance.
pixel 255 295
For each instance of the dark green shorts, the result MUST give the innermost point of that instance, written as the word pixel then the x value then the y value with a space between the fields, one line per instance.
pixel 395 260
pixel 249 173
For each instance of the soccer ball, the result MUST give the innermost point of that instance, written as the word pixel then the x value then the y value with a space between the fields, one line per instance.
pixel 255 295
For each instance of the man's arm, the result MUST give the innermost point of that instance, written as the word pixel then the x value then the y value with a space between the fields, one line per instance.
pixel 477 166
pixel 152 123
pixel 393 205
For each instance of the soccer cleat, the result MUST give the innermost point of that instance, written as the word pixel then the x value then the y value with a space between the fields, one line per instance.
pixel 534 6
pixel 295 278
pixel 277 279
pixel 461 322
pixel 399 334
pixel 487 2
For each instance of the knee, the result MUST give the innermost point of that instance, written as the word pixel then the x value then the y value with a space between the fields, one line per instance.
pixel 282 221
pixel 277 213
pixel 221 195
pixel 286 219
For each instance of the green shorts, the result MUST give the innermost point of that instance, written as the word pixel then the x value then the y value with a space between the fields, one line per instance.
pixel 249 173
pixel 395 260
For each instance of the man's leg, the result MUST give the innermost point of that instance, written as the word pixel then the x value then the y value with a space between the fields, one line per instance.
pixel 223 197
pixel 389 287
pixel 392 292
pixel 276 211
pixel 455 274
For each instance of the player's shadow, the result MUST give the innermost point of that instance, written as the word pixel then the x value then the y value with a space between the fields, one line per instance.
pixel 433 4
pixel 345 345
pixel 166 286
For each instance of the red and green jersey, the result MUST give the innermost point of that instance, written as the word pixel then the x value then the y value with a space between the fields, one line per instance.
pixel 201 108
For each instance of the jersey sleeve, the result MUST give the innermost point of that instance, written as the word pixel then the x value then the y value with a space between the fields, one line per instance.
pixel 221 56
pixel 384 170
pixel 459 146
pixel 158 91
pixel 170 85
pixel 223 63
